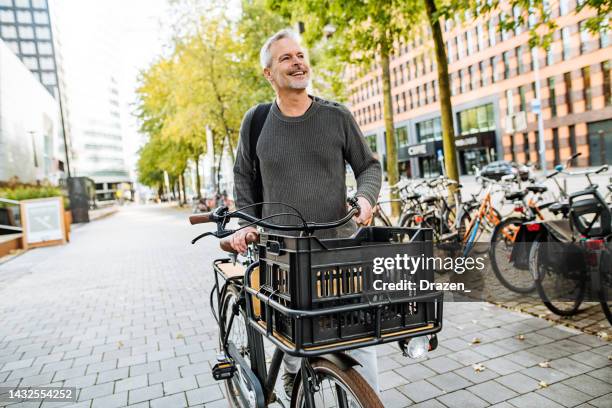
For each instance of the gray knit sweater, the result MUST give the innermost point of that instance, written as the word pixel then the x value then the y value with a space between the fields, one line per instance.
pixel 302 161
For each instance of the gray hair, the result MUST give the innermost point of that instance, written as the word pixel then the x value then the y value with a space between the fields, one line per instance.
pixel 265 58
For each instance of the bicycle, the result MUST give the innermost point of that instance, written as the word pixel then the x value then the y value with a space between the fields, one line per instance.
pixel 312 298
pixel 570 256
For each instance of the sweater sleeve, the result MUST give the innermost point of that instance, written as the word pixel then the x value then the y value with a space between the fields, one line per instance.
pixel 367 168
pixel 243 169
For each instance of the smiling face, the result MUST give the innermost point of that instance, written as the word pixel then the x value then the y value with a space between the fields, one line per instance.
pixel 289 68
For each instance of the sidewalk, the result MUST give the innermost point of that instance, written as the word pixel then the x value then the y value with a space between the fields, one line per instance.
pixel 122 314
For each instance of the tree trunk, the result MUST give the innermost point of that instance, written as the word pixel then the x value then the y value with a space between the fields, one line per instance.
pixel 231 148
pixel 184 188
pixel 198 183
pixel 391 148
pixel 448 133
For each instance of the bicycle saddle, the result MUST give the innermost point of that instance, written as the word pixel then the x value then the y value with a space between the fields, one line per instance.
pixel 557 208
pixel 428 199
pixel 412 196
pixel 537 189
pixel 515 195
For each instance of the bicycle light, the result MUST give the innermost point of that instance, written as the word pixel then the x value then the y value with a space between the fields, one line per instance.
pixel 417 347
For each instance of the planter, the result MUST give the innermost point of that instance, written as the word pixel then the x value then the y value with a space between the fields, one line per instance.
pixel 67 222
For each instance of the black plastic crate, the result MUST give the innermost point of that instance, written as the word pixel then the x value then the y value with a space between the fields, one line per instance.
pixel 308 274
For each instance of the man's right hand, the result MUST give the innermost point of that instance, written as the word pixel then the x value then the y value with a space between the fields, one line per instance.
pixel 239 239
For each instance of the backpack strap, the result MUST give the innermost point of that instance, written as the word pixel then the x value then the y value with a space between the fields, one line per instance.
pixel 257 122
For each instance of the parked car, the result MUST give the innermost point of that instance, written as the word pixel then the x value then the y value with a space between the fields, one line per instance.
pixel 498 169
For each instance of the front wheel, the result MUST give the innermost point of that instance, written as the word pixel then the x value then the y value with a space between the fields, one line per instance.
pixel 605 290
pixel 337 388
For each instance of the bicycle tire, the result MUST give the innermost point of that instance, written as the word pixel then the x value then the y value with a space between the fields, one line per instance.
pixel 232 292
pixel 606 281
pixel 499 264
pixel 349 379
pixel 535 266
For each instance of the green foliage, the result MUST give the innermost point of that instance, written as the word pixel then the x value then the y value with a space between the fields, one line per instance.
pixel 29 192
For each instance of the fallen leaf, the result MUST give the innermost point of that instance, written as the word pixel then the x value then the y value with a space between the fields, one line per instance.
pixel 478 368
pixel 610 357
pixel 476 340
pixel 521 337
pixel 119 344
pixel 543 384
pixel 180 336
pixel 544 364
pixel 603 335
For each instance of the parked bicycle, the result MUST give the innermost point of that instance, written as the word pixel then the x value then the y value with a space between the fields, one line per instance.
pixel 313 299
pixel 572 256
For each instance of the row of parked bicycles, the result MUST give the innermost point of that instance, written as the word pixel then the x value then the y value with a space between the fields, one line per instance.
pixel 539 238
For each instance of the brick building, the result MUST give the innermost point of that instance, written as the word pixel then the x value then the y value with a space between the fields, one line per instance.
pixel 493 85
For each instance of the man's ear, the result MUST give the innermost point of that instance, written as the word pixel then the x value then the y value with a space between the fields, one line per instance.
pixel 267 74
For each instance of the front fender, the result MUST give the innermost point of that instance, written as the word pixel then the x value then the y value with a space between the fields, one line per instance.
pixel 342 360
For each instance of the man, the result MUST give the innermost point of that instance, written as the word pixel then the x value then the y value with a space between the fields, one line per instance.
pixel 302 150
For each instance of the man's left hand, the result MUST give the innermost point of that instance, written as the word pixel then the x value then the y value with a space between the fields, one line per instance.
pixel 365 212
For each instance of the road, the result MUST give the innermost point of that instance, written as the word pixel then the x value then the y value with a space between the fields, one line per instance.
pixel 122 314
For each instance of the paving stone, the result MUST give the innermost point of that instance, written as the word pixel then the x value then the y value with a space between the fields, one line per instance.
pixel 602 402
pixel 533 400
pixel 549 375
pixel 101 366
pixel 432 403
pixel 131 383
pixel 476 376
pixel 390 379
pixel 164 375
pixel 171 401
pixel 442 364
pixel 111 401
pixel 415 372
pixel 502 365
pixel 204 395
pixel 145 394
pixel 178 385
pixel 420 391
pixel 492 392
pixel 174 362
pixel 69 373
pixel 146 368
pixel 588 385
pixel 394 399
pixel 96 391
pixel 462 399
pixel 81 382
pixel 14 365
pixel 449 382
pixel 113 375
pixel 570 367
pixel 591 359
pixel 518 382
pixel 604 374
pixel 564 395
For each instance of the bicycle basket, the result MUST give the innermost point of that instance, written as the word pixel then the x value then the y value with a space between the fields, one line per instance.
pixel 317 293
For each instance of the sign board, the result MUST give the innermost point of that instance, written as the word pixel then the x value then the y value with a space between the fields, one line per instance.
pixel 466 141
pixel 43 222
pixel 536 106
pixel 416 150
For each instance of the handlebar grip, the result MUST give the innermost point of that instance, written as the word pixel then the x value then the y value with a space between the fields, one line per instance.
pixel 226 243
pixel 200 218
pixel 575 155
pixel 602 169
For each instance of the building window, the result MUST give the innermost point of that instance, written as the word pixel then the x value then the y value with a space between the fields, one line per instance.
pixel 552 99
pixel 567 79
pixel 31 63
pixel 509 102
pixel 556 149
pixel 449 51
pixel 483 73
pixel 462 81
pixel 523 104
pixel 426 92
pixel 434 85
pixel 7 16
pixel 604 39
pixel 24 16
pixel 572 139
pixel 41 17
pixel 494 70
pixel 473 79
pixel 516 11
pixel 505 34
pixel 512 152
pixel 22 3
pixel 480 35
pixel 519 59
pixel 460 50
pixel 8 32
pixel 492 32
pixel 584 38
pixel 607 90
pixel 401 135
pixel 550 58
pixel 586 89
pixel 429 130
pixel 563 7
pixel 404 106
pixel 477 119
pixel 28 47
pixel 506 58
pixel 469 39
pixel 565 37
pixel 26 32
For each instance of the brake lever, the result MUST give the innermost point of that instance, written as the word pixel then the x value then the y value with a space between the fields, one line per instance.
pixel 217 234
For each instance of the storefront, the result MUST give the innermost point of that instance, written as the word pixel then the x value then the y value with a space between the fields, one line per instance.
pixel 427 156
pixel 475 150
